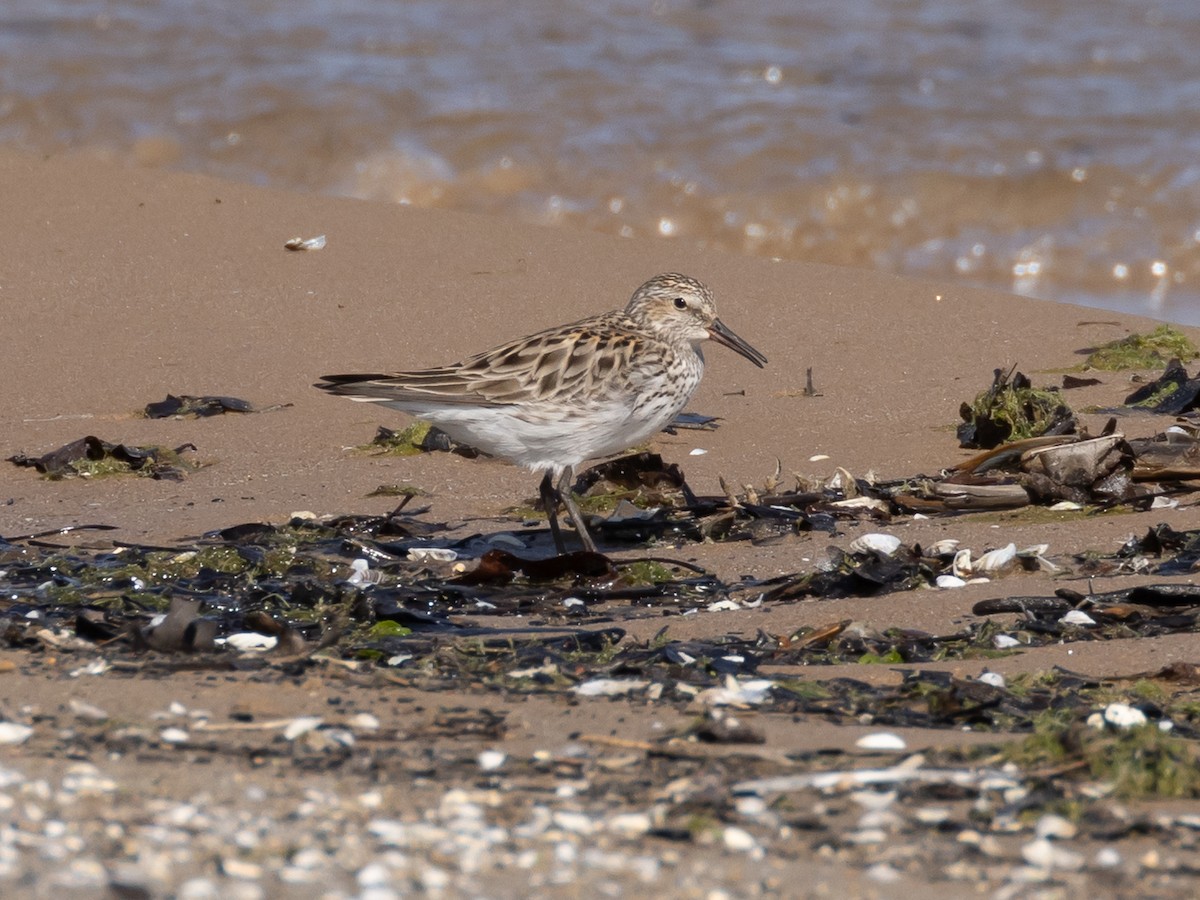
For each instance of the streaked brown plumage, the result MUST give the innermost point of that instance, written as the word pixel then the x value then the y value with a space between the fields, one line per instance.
pixel 556 398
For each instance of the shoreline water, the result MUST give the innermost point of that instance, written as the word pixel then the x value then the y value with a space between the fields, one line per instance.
pixel 1031 148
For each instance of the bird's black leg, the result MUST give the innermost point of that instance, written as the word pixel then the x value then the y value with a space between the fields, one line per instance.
pixel 550 502
pixel 564 492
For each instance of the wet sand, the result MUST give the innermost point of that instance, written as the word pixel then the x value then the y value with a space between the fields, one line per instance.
pixel 123 285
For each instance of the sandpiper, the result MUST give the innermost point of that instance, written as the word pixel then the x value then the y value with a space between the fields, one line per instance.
pixel 556 398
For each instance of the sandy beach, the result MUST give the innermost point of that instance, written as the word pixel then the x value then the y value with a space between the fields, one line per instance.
pixel 123 285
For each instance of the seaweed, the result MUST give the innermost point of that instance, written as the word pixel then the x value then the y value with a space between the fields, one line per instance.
pixel 1012 409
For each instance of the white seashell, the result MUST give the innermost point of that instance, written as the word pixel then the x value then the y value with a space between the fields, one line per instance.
pixel 364 721
pixel 739 839
pixel 1077 617
pixel 609 687
pixel 174 736
pixel 491 760
pixel 739 693
pixel 995 679
pixel 95 667
pixel 1044 854
pixel 943 547
pixel 14 733
pixel 249 641
pixel 432 554
pixel 723 606
pixel 883 544
pixel 697 451
pixel 994 561
pixel 300 726
pixel 1122 715
pixel 1005 642
pixel 818 457
pixel 861 503
pixel 751 807
pixel 84 710
pixel 1177 435
pixel 881 740
pixel 299 243
pixel 950 581
pixel 574 822
pixel 874 801
pixel 360 571
pixel 630 825
pixel 1066 506
pixel 883 873
pixel 1052 826
pixel 962 564
pixel 932 815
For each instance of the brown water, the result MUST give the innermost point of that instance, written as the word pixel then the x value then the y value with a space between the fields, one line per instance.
pixel 1046 147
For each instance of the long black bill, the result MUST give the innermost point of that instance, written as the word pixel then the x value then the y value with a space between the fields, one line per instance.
pixel 722 335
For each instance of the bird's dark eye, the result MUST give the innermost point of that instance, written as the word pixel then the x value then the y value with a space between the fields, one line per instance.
pixel 680 303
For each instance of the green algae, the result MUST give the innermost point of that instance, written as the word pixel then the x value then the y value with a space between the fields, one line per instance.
pixel 1143 351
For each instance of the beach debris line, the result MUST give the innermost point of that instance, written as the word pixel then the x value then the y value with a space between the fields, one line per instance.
pixel 353 586
pixel 91 457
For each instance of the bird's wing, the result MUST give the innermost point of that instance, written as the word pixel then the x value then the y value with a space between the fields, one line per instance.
pixel 590 356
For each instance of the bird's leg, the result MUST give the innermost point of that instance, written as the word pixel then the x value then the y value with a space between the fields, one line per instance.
pixel 564 491
pixel 550 502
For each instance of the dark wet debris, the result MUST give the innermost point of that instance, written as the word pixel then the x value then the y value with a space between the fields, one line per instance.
pixel 419 437
pixel 353 587
pixel 198 407
pixel 90 456
pixel 1172 394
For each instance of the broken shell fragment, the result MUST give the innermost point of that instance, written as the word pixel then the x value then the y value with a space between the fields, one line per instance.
pixel 881 740
pixel 961 567
pixel 880 544
pixel 995 561
pixel 1077 617
pixel 299 243
pixel 432 554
